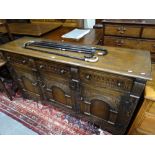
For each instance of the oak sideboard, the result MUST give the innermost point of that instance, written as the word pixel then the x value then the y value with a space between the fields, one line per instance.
pixel 105 92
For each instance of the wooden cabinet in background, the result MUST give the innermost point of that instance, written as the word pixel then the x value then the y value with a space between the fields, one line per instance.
pixel 105 92
pixel 144 123
pixel 134 34
pixel 65 22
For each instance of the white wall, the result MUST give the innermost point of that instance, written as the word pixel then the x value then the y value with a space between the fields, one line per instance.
pixel 89 23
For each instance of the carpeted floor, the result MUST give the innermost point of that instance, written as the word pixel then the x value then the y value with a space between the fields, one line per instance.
pixel 45 120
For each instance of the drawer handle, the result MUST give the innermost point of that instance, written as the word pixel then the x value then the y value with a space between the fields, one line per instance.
pixel 118 84
pixel 8 58
pixel 24 90
pixel 121 32
pixel 88 77
pixel 34 84
pixel 62 71
pixel 41 66
pixel 119 42
pixel 24 61
pixel 19 80
pixel 121 29
pixel 33 69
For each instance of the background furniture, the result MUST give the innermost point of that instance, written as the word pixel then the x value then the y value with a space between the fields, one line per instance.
pixel 138 34
pixel 144 122
pixel 105 93
pixel 18 20
pixel 65 22
pixel 98 23
pixel 93 37
pixel 5 30
pixel 31 29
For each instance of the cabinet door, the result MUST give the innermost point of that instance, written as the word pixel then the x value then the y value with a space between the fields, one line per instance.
pixel 55 83
pixel 101 98
pixel 56 89
pixel 28 81
pixel 24 73
pixel 100 105
pixel 99 102
pixel 121 42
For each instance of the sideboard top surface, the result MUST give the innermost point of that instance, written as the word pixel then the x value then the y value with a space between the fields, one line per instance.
pixel 121 61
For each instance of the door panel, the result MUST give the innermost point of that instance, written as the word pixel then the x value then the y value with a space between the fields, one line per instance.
pixel 102 104
pixel 58 95
pixel 27 79
pixel 56 88
pixel 100 109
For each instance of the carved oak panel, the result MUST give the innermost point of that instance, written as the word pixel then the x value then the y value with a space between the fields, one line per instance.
pixel 20 60
pixel 106 80
pixel 55 83
pixel 27 79
pixel 53 67
pixel 100 103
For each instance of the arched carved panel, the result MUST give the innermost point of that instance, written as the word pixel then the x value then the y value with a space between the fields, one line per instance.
pixel 58 95
pixel 30 85
pixel 100 109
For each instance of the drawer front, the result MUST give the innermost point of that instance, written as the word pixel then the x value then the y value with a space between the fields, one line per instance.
pixel 122 30
pixel 54 68
pixel 121 42
pixel 20 60
pixel 130 43
pixel 148 32
pixel 105 80
pixel 147 45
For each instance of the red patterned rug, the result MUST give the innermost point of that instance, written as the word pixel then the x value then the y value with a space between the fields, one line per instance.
pixel 46 120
